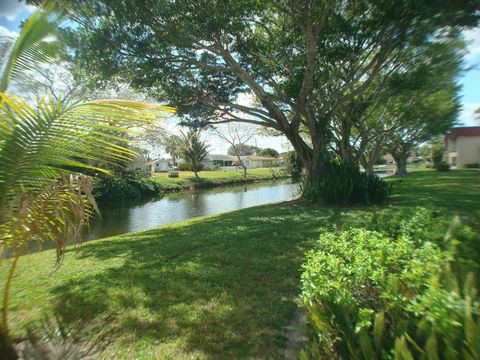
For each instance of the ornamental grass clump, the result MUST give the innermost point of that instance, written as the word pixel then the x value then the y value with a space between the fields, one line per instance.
pixel 341 183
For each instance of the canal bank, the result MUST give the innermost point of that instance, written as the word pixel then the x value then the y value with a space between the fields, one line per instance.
pixel 137 215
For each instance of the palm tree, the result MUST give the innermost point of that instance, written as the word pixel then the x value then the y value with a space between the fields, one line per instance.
pixel 194 149
pixel 45 149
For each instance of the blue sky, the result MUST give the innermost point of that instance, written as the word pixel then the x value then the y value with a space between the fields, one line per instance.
pixel 12 12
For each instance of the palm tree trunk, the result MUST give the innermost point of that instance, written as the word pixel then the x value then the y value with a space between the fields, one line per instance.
pixel 6 348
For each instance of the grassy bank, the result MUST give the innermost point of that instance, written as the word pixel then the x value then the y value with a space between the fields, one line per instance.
pixel 213 287
pixel 207 179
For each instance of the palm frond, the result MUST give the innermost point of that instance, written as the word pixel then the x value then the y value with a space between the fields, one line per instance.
pixel 39 147
pixel 38 42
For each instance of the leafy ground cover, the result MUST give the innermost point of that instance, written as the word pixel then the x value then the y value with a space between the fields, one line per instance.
pixel 213 287
pixel 187 180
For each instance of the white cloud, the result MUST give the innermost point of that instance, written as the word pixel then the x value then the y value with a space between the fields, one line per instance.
pixel 472 37
pixel 11 8
pixel 4 32
pixel 468 116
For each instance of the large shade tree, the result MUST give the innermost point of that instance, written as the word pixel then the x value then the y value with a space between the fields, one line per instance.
pixel 410 108
pixel 301 61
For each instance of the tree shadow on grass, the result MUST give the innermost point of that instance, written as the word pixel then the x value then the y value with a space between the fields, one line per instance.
pixel 223 286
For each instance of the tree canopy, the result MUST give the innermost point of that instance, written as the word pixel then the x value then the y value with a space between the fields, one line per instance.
pixel 301 61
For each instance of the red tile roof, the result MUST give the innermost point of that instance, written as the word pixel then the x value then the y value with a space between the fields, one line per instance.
pixel 463 131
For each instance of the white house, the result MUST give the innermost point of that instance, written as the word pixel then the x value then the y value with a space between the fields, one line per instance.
pixel 224 161
pixel 228 161
pixel 462 147
pixel 159 165
pixel 139 162
pixel 254 161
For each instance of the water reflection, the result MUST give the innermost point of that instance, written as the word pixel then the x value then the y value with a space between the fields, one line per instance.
pixel 140 215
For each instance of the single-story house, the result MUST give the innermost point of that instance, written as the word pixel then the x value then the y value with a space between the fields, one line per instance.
pixel 229 161
pixel 159 165
pixel 462 147
pixel 254 161
pixel 139 162
pixel 223 161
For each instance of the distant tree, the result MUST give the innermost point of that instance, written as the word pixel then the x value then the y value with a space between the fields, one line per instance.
pixel 436 151
pixel 173 146
pixel 193 149
pixel 243 150
pixel 237 135
pixel 269 152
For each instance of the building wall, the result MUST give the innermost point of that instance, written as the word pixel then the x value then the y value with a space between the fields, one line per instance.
pixel 463 151
pixel 161 166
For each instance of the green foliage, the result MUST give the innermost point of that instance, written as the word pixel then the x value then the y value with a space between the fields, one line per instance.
pixel 442 167
pixel 293 164
pixel 391 294
pixel 473 166
pixel 126 185
pixel 242 150
pixel 193 149
pixel 342 183
pixel 184 166
pixel 436 152
pixel 187 166
pixel 269 152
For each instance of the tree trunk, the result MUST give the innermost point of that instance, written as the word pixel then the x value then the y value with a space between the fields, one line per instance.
pixel 367 164
pixel 6 349
pixel 401 163
pixel 369 167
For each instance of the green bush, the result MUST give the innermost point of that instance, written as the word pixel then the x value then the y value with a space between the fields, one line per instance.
pixel 125 185
pixel 442 167
pixel 473 166
pixel 390 295
pixel 342 183
pixel 187 166
pixel 293 164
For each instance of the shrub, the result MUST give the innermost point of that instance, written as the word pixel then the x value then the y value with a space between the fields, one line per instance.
pixel 185 166
pixel 437 148
pixel 473 166
pixel 342 183
pixel 375 295
pixel 293 163
pixel 442 167
pixel 125 185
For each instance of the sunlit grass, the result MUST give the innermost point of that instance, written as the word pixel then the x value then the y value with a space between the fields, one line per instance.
pixel 187 179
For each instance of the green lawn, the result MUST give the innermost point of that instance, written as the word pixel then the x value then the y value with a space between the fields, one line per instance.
pixel 220 287
pixel 187 180
pixel 457 190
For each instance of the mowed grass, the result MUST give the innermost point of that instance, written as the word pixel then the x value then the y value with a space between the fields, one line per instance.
pixel 220 287
pixel 187 180
pixel 456 190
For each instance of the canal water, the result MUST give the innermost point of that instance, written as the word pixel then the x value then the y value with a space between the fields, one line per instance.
pixel 118 219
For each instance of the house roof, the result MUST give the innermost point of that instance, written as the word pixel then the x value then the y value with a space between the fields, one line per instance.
pixel 259 158
pixel 220 157
pixel 463 132
pixel 157 160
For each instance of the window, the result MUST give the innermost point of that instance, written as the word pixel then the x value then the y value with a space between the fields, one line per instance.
pixel 454 161
pixel 452 145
